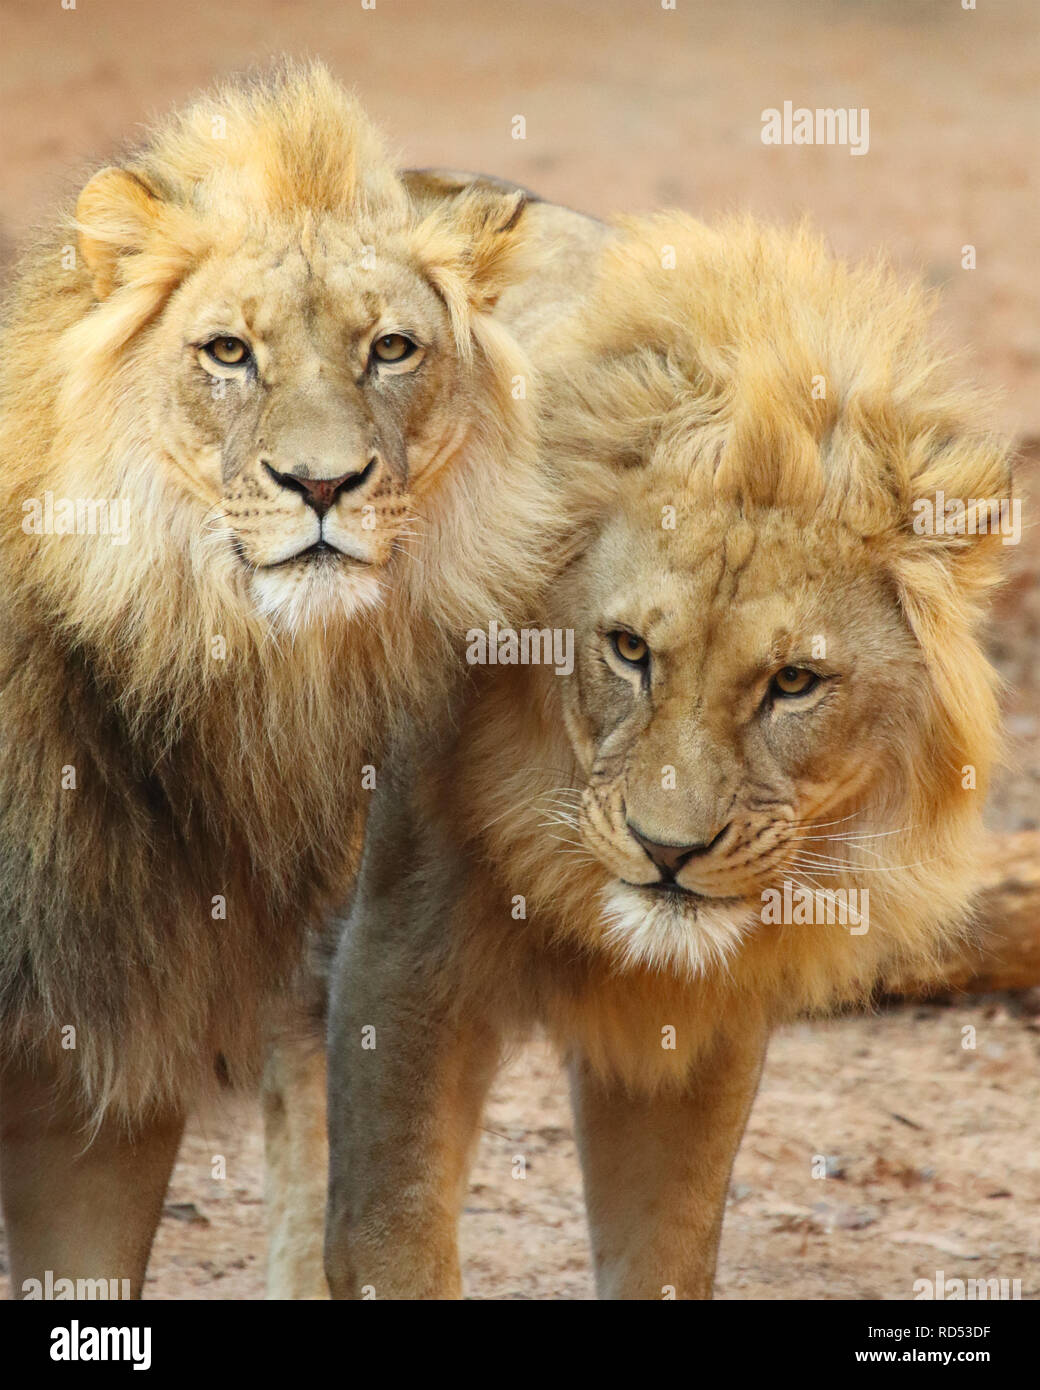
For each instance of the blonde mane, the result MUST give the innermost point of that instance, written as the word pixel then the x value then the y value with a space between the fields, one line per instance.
pixel 201 777
pixel 692 387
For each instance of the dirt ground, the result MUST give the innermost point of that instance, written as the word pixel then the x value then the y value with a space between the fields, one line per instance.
pixel 932 1148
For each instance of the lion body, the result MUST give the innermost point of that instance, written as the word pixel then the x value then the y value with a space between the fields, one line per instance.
pixel 185 741
pixel 742 518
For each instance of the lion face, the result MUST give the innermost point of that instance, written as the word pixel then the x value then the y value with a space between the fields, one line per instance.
pixel 311 350
pixel 778 676
pixel 310 392
pixel 744 691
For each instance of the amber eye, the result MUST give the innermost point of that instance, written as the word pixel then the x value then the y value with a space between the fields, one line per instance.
pixel 631 649
pixel 794 680
pixel 229 352
pixel 392 347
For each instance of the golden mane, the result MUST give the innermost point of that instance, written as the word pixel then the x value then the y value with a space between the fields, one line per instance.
pixel 693 383
pixel 744 318
pixel 196 778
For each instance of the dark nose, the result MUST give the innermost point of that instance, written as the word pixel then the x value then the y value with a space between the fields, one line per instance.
pixel 321 493
pixel 670 858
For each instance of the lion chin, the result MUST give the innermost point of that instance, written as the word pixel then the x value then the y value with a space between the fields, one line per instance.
pixel 681 933
pixel 315 591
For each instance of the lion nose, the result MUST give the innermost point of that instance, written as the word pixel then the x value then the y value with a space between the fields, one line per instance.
pixel 321 493
pixel 670 858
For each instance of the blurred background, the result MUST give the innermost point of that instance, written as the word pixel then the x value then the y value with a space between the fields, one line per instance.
pixel 630 106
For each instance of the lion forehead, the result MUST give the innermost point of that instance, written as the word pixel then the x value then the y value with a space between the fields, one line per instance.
pixel 274 290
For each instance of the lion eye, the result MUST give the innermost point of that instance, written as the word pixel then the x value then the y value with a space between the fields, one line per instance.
pixel 631 649
pixel 392 347
pixel 794 680
pixel 229 352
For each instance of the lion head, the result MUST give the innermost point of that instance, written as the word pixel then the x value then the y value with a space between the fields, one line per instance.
pixel 272 352
pixel 779 693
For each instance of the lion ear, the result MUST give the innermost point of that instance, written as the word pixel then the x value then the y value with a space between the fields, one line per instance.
pixel 963 509
pixel 114 214
pixel 488 221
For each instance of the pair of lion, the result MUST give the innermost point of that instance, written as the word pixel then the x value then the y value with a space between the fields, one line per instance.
pixel 351 416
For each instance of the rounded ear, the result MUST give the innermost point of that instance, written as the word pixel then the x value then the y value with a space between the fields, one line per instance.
pixel 962 506
pixel 490 220
pixel 114 214
pixel 473 245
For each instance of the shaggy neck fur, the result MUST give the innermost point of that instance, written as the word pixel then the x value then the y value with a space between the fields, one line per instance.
pixel 181 784
pixel 695 386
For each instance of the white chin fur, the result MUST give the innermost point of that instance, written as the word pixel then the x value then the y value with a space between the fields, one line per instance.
pixel 684 936
pixel 294 600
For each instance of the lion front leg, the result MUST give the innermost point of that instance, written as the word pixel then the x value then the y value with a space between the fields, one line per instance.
pixel 657 1168
pixel 296 1163
pixel 79 1203
pixel 407 1085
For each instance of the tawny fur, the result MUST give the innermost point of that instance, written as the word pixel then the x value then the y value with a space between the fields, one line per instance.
pixel 692 387
pixel 239 777
pixel 687 385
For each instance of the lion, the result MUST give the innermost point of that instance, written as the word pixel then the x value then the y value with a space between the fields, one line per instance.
pixel 267 452
pixel 755 796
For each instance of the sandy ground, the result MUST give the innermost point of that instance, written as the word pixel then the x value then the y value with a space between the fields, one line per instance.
pixel 933 1149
